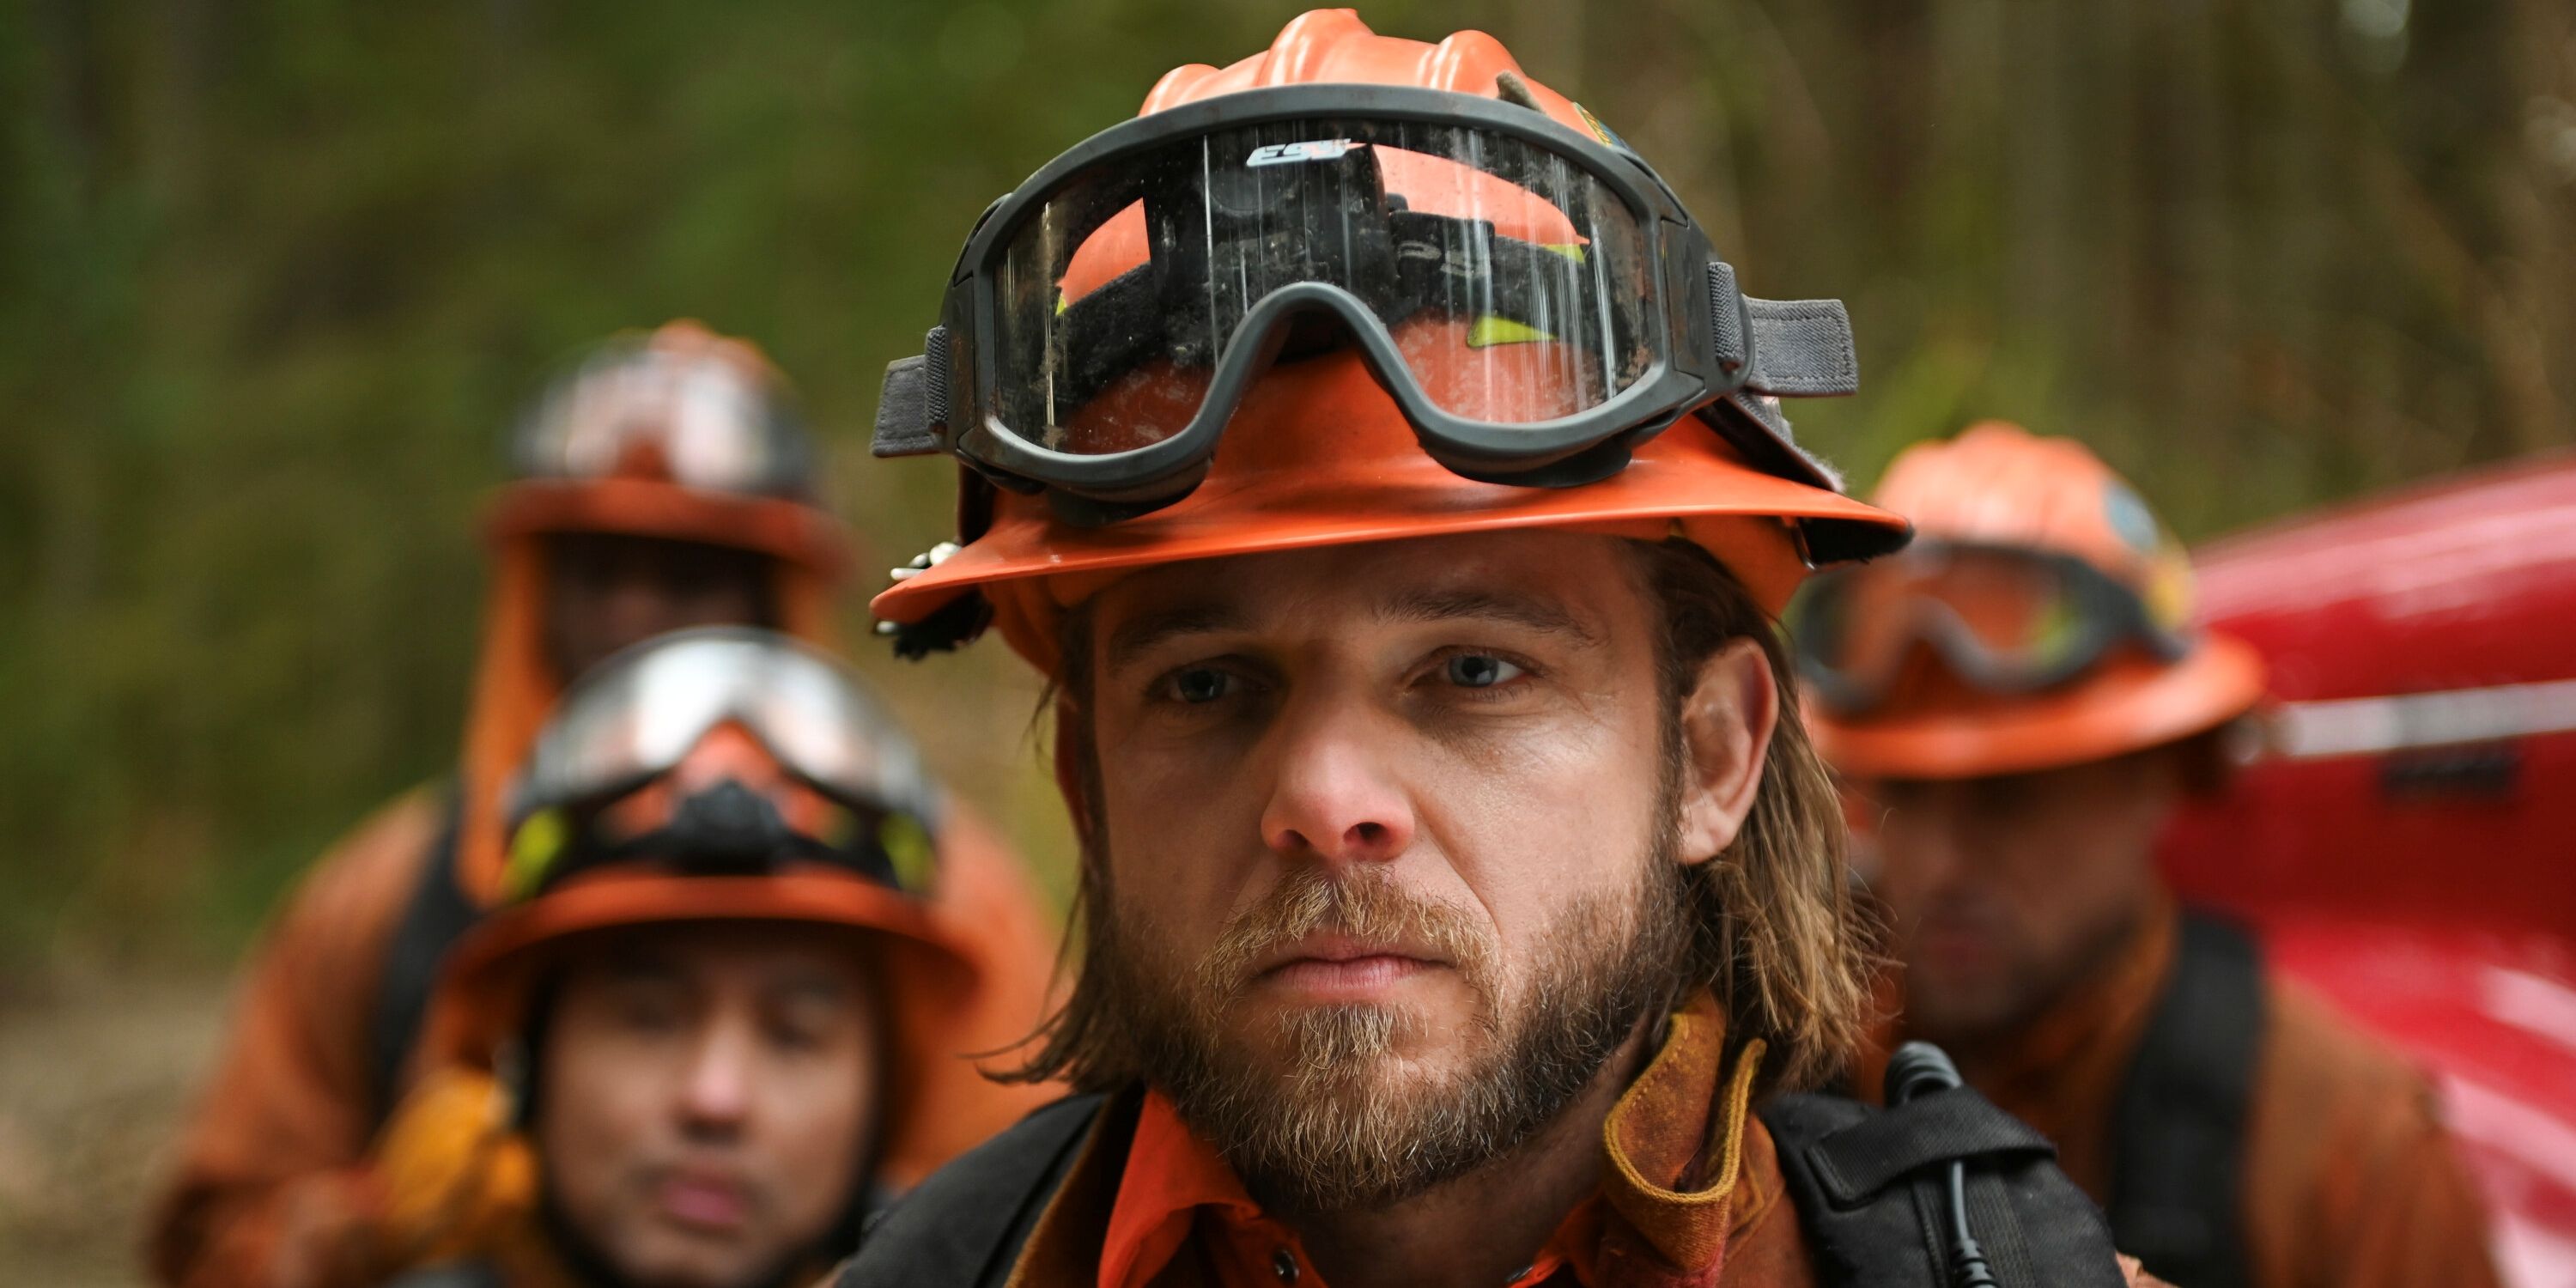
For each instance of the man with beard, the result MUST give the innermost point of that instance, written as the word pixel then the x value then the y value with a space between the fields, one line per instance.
pixel 2019 701
pixel 1456 870
pixel 717 993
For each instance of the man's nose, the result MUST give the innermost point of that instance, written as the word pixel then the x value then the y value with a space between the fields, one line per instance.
pixel 638 598
pixel 1927 838
pixel 715 1093
pixel 1336 796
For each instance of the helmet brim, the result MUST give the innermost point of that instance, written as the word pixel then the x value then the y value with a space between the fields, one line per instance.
pixel 486 987
pixel 2128 705
pixel 1687 482
pixel 774 526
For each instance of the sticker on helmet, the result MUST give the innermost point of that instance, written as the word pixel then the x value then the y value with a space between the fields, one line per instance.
pixel 2130 519
pixel 1602 132
pixel 1294 153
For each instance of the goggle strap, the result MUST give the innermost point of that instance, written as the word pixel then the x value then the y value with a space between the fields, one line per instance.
pixel 914 404
pixel 674 852
pixel 1802 349
pixel 1757 429
pixel 1729 326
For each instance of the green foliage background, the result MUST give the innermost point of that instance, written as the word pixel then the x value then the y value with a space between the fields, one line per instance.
pixel 273 274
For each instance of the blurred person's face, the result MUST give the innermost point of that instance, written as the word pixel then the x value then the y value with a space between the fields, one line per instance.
pixel 2006 892
pixel 705 1098
pixel 1393 839
pixel 605 591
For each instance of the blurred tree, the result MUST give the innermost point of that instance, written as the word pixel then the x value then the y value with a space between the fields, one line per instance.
pixel 274 273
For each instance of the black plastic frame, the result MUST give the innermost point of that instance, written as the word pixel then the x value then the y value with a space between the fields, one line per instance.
pixel 2114 615
pixel 1590 445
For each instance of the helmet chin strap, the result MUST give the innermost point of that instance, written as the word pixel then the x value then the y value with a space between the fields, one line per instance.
pixel 727 829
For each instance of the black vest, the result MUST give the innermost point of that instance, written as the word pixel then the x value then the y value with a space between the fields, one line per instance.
pixel 1864 1183
pixel 436 916
pixel 451 1274
pixel 2178 1127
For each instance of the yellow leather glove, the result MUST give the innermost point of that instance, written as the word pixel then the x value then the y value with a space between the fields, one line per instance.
pixel 454 1178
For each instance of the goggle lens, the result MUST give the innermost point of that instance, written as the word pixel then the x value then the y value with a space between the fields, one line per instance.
pixel 701 422
pixel 1516 286
pixel 2002 619
pixel 641 712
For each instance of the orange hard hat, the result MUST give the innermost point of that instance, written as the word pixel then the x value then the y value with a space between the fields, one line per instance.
pixel 720 774
pixel 1317 450
pixel 681 434
pixel 2042 618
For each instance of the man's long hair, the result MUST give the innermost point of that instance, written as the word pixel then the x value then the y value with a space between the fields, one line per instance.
pixel 1777 933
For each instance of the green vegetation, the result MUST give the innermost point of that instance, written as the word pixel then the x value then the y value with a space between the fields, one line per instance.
pixel 273 274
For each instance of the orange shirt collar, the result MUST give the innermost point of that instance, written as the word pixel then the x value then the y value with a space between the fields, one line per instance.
pixel 1171 1174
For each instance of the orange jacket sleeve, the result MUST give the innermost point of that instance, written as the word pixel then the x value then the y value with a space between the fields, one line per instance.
pixel 2351 1180
pixel 267 1190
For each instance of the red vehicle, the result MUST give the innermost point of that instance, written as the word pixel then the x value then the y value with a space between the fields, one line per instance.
pixel 2406 839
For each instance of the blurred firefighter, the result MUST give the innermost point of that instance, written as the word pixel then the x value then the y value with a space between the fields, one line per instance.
pixel 2016 703
pixel 712 998
pixel 663 482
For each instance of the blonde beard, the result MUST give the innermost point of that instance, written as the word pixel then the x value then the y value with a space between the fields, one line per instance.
pixel 1338 1120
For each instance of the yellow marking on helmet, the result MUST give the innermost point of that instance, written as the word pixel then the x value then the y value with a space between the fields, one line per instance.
pixel 1491 330
pixel 1570 250
pixel 907 844
pixel 2170 588
pixel 533 849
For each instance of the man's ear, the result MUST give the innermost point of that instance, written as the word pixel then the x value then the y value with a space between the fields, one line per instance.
pixel 1727 717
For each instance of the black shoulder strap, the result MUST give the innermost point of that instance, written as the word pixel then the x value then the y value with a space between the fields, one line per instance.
pixel 451 1274
pixel 1872 1199
pixel 2179 1143
pixel 965 1225
pixel 437 914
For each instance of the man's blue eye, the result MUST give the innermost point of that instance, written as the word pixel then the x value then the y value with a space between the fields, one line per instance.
pixel 1201 684
pixel 1480 671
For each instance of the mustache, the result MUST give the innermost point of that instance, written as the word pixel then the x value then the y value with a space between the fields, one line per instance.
pixel 1366 904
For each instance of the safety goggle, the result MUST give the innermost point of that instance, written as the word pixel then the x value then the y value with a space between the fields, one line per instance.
pixel 1536 301
pixel 2006 620
pixel 700 420
pixel 641 713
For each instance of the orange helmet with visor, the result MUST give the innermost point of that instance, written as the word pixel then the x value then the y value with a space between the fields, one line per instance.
pixel 1249 319
pixel 678 433
pixel 721 774
pixel 2042 618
